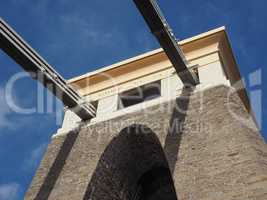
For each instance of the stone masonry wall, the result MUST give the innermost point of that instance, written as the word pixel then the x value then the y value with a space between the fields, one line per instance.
pixel 210 153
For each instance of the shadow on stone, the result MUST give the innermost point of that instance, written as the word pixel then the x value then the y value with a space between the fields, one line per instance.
pixel 133 166
pixel 57 167
pixel 175 131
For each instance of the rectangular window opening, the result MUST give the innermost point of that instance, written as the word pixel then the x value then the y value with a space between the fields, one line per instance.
pixel 140 94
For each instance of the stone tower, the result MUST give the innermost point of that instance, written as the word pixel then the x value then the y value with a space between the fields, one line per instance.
pixel 154 139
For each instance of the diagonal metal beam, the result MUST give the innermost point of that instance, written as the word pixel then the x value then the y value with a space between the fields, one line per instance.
pixel 15 47
pixel 162 31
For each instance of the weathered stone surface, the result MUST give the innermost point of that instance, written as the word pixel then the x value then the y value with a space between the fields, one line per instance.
pixel 210 153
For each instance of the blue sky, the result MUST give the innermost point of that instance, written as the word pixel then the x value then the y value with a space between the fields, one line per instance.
pixel 77 37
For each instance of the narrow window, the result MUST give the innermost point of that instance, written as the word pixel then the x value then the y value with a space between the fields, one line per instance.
pixel 195 70
pixel 95 104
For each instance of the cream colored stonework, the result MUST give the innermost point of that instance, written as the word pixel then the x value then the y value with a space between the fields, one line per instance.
pixel 210 52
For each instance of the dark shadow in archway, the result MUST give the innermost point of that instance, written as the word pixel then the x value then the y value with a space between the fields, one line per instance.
pixel 132 167
pixel 176 127
pixel 156 184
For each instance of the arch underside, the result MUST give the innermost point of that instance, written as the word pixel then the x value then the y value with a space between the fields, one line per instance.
pixel 132 167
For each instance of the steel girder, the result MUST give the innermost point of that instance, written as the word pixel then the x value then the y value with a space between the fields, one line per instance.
pixel 15 47
pixel 162 31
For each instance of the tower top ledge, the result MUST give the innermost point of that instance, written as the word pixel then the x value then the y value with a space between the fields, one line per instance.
pixel 189 45
pixel 202 50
